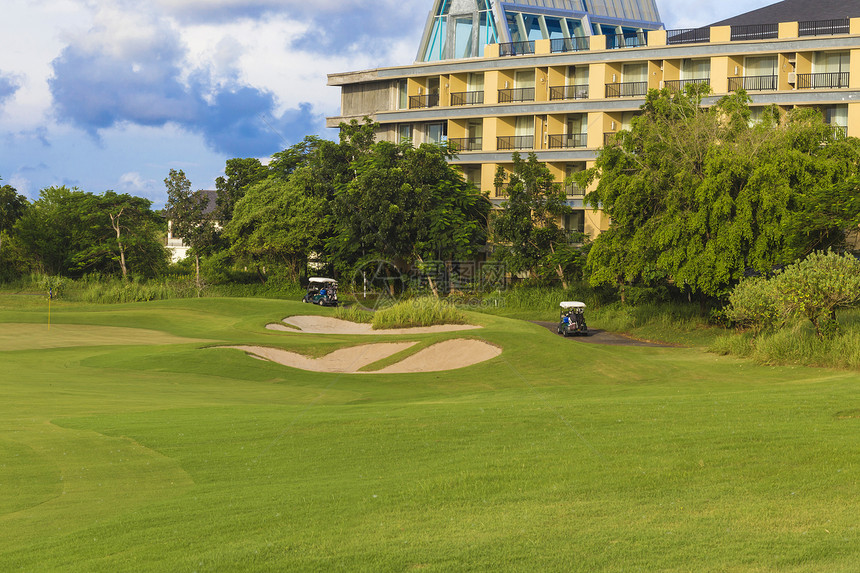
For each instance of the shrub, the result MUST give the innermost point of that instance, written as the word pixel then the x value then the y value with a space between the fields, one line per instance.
pixel 755 303
pixel 818 286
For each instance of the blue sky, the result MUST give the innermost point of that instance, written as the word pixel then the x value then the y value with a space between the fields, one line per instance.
pixel 112 94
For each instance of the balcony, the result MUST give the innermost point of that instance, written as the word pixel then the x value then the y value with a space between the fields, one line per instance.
pixel 511 142
pixel 627 89
pixel 574 190
pixel 823 27
pixel 567 141
pixel 516 94
pixel 679 85
pixel 839 131
pixel 466 143
pixel 561 45
pixel 617 41
pixel 752 83
pixel 754 32
pixel 517 48
pixel 423 101
pixel 557 93
pixel 467 98
pixel 822 81
pixel 688 36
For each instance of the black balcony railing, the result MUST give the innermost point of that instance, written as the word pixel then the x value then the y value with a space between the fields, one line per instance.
pixel 574 190
pixel 516 48
pixel 688 36
pixel 423 101
pixel 559 45
pixel 679 85
pixel 627 89
pixel 516 94
pixel 755 32
pixel 634 40
pixel 567 140
pixel 466 143
pixel 822 81
pixel 568 92
pixel 823 27
pixel 508 142
pixel 467 98
pixel 502 190
pixel 752 83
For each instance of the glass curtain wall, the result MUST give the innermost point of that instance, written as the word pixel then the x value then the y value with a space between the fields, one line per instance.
pixel 459 30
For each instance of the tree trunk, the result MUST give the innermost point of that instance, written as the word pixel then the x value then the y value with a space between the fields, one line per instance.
pixel 114 222
pixel 122 261
pixel 432 284
pixel 197 271
pixel 558 269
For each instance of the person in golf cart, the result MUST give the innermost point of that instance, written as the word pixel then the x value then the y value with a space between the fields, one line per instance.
pixel 572 319
pixel 321 291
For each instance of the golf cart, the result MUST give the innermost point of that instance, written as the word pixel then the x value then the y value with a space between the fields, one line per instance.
pixel 321 291
pixel 572 319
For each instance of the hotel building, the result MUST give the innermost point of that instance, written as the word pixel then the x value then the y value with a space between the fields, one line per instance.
pixel 560 77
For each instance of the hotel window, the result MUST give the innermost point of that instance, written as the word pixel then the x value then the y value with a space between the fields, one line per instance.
pixel 436 132
pixel 402 95
pixel 695 69
pixel 404 132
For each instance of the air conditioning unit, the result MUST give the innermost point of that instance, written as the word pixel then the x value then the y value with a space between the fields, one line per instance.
pixel 792 77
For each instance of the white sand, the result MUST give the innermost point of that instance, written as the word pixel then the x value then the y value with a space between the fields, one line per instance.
pixel 445 355
pixel 330 325
pixel 343 360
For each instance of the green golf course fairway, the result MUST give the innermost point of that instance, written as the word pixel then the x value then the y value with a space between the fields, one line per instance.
pixel 129 443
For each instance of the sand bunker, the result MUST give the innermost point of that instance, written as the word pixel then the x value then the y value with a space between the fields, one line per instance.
pixel 343 360
pixel 329 325
pixel 447 355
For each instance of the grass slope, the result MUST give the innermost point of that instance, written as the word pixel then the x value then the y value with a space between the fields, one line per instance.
pixel 161 455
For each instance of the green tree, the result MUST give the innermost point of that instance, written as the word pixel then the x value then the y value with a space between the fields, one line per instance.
pixel 527 230
pixel 12 208
pixel 699 195
pixel 239 175
pixel 276 223
pixel 407 205
pixel 187 214
pixel 70 232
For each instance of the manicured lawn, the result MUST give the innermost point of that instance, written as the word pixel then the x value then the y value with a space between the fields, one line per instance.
pixel 147 450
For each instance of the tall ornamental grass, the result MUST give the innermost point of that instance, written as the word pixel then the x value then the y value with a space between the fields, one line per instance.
pixel 424 311
pixel 797 343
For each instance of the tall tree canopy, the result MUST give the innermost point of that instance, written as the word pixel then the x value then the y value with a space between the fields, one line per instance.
pixel 70 232
pixel 239 174
pixel 189 217
pixel 12 207
pixel 700 195
pixel 527 230
pixel 407 204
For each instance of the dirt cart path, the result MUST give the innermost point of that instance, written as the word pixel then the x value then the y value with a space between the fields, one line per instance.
pixel 604 337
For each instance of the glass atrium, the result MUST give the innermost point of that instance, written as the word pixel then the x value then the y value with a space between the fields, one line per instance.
pixel 459 29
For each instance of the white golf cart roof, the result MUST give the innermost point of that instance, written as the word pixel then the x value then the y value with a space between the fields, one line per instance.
pixel 572 304
pixel 321 280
